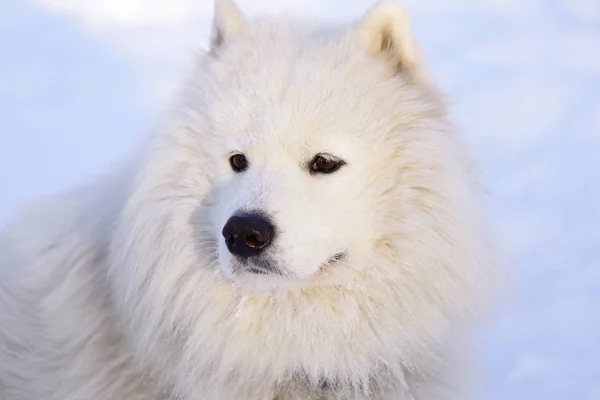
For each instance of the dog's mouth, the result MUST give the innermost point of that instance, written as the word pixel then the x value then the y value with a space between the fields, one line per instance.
pixel 333 260
pixel 268 269
pixel 337 257
pixel 260 271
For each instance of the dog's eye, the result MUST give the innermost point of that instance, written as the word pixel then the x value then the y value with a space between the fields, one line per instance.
pixel 325 164
pixel 238 162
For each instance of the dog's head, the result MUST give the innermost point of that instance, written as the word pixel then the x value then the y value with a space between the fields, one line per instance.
pixel 313 141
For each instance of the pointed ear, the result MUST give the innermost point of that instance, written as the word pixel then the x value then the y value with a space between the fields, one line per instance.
pixel 385 30
pixel 228 21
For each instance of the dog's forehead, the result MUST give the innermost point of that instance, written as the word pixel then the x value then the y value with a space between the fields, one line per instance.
pixel 312 90
pixel 303 90
pixel 294 142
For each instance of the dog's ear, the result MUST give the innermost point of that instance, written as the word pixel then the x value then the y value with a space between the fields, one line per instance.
pixel 385 30
pixel 228 21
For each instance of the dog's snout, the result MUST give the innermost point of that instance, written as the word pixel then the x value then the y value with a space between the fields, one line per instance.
pixel 248 235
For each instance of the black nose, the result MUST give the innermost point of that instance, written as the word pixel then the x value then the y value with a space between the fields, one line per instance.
pixel 248 235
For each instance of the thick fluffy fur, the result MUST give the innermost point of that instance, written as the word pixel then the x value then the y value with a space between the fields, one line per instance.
pixel 124 289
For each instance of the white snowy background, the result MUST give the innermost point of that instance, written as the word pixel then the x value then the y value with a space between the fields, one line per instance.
pixel 82 80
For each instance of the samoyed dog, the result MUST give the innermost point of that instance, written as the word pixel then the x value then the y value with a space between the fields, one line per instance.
pixel 305 227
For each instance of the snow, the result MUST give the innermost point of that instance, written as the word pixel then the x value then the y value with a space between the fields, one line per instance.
pixel 525 78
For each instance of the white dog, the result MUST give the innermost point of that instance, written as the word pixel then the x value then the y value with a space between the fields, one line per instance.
pixel 306 228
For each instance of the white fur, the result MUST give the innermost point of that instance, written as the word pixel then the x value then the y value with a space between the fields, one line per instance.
pixel 124 289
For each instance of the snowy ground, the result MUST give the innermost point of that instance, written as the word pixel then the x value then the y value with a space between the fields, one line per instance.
pixel 82 80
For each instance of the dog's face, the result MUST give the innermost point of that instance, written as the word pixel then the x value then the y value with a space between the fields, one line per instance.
pixel 291 187
pixel 302 152
pixel 287 211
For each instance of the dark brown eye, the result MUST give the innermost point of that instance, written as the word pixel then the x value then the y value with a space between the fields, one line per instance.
pixel 325 164
pixel 238 162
